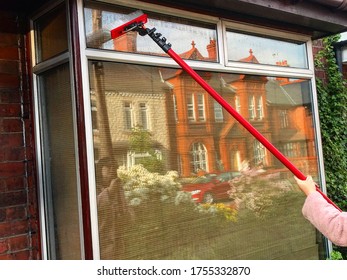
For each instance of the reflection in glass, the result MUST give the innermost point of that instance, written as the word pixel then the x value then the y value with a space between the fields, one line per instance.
pixel 60 164
pixel 190 39
pixel 202 189
pixel 254 49
pixel 52 36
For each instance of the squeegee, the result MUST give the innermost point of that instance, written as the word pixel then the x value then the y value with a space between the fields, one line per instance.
pixel 136 22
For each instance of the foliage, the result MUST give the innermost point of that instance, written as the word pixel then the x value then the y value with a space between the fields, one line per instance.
pixel 141 187
pixel 141 142
pixel 336 255
pixel 332 101
pixel 258 191
pixel 220 209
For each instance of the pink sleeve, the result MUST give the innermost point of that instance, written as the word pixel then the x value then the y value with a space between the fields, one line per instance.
pixel 326 218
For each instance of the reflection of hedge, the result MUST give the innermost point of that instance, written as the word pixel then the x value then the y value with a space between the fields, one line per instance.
pixel 173 227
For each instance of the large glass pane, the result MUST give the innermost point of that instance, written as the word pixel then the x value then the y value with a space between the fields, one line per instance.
pixel 178 186
pixel 265 50
pixel 190 39
pixel 51 34
pixel 60 180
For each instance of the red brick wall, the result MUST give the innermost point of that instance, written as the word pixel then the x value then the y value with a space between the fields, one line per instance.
pixel 317 45
pixel 19 233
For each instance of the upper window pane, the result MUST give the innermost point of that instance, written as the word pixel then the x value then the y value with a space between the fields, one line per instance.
pixel 264 50
pixel 52 36
pixel 190 39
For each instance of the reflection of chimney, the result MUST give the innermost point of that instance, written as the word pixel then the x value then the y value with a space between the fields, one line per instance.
pixel 283 63
pixel 212 50
pixel 126 42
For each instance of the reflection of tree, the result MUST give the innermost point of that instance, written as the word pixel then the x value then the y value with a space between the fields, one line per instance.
pixel 105 148
pixel 141 143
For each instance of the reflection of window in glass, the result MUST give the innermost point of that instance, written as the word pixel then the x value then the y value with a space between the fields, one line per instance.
pixel 191 39
pixel 259 49
pixel 218 111
pixel 259 153
pixel 238 104
pixel 94 111
pixel 134 158
pixel 290 149
pixel 190 107
pixel 303 149
pixel 128 114
pixel 201 107
pixel 175 107
pixel 52 36
pixel 198 157
pixel 251 107
pixel 144 115
pixel 60 182
pixel 260 109
pixel 284 120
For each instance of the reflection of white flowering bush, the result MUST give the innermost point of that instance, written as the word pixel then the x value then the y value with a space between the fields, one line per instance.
pixel 141 185
pixel 257 191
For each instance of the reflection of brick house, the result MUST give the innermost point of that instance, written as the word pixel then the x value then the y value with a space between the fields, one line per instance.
pixel 209 138
pixel 131 105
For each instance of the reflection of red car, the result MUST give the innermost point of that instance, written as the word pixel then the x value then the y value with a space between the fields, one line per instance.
pixel 210 187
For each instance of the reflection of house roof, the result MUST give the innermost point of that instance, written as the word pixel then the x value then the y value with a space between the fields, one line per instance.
pixel 193 53
pixel 290 94
pixel 215 80
pixel 119 77
pixel 291 135
pixel 251 58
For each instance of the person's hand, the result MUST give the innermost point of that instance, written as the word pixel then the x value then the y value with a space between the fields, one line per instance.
pixel 307 186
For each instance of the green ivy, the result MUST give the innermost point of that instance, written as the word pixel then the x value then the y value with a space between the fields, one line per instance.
pixel 332 103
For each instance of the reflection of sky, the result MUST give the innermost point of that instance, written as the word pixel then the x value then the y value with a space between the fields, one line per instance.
pixel 343 36
pixel 179 35
pixel 267 51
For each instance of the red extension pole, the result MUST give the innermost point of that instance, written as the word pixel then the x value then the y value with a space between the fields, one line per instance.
pixel 242 121
pixel 137 24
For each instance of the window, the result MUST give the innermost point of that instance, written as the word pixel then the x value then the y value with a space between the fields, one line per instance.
pixel 144 115
pixel 128 116
pixel 251 107
pixel 193 40
pixel 191 107
pixel 198 157
pixel 284 121
pixel 175 108
pixel 252 48
pixel 201 107
pixel 168 141
pixel 218 112
pixel 52 36
pixel 60 178
pixel 260 110
pixel 237 104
